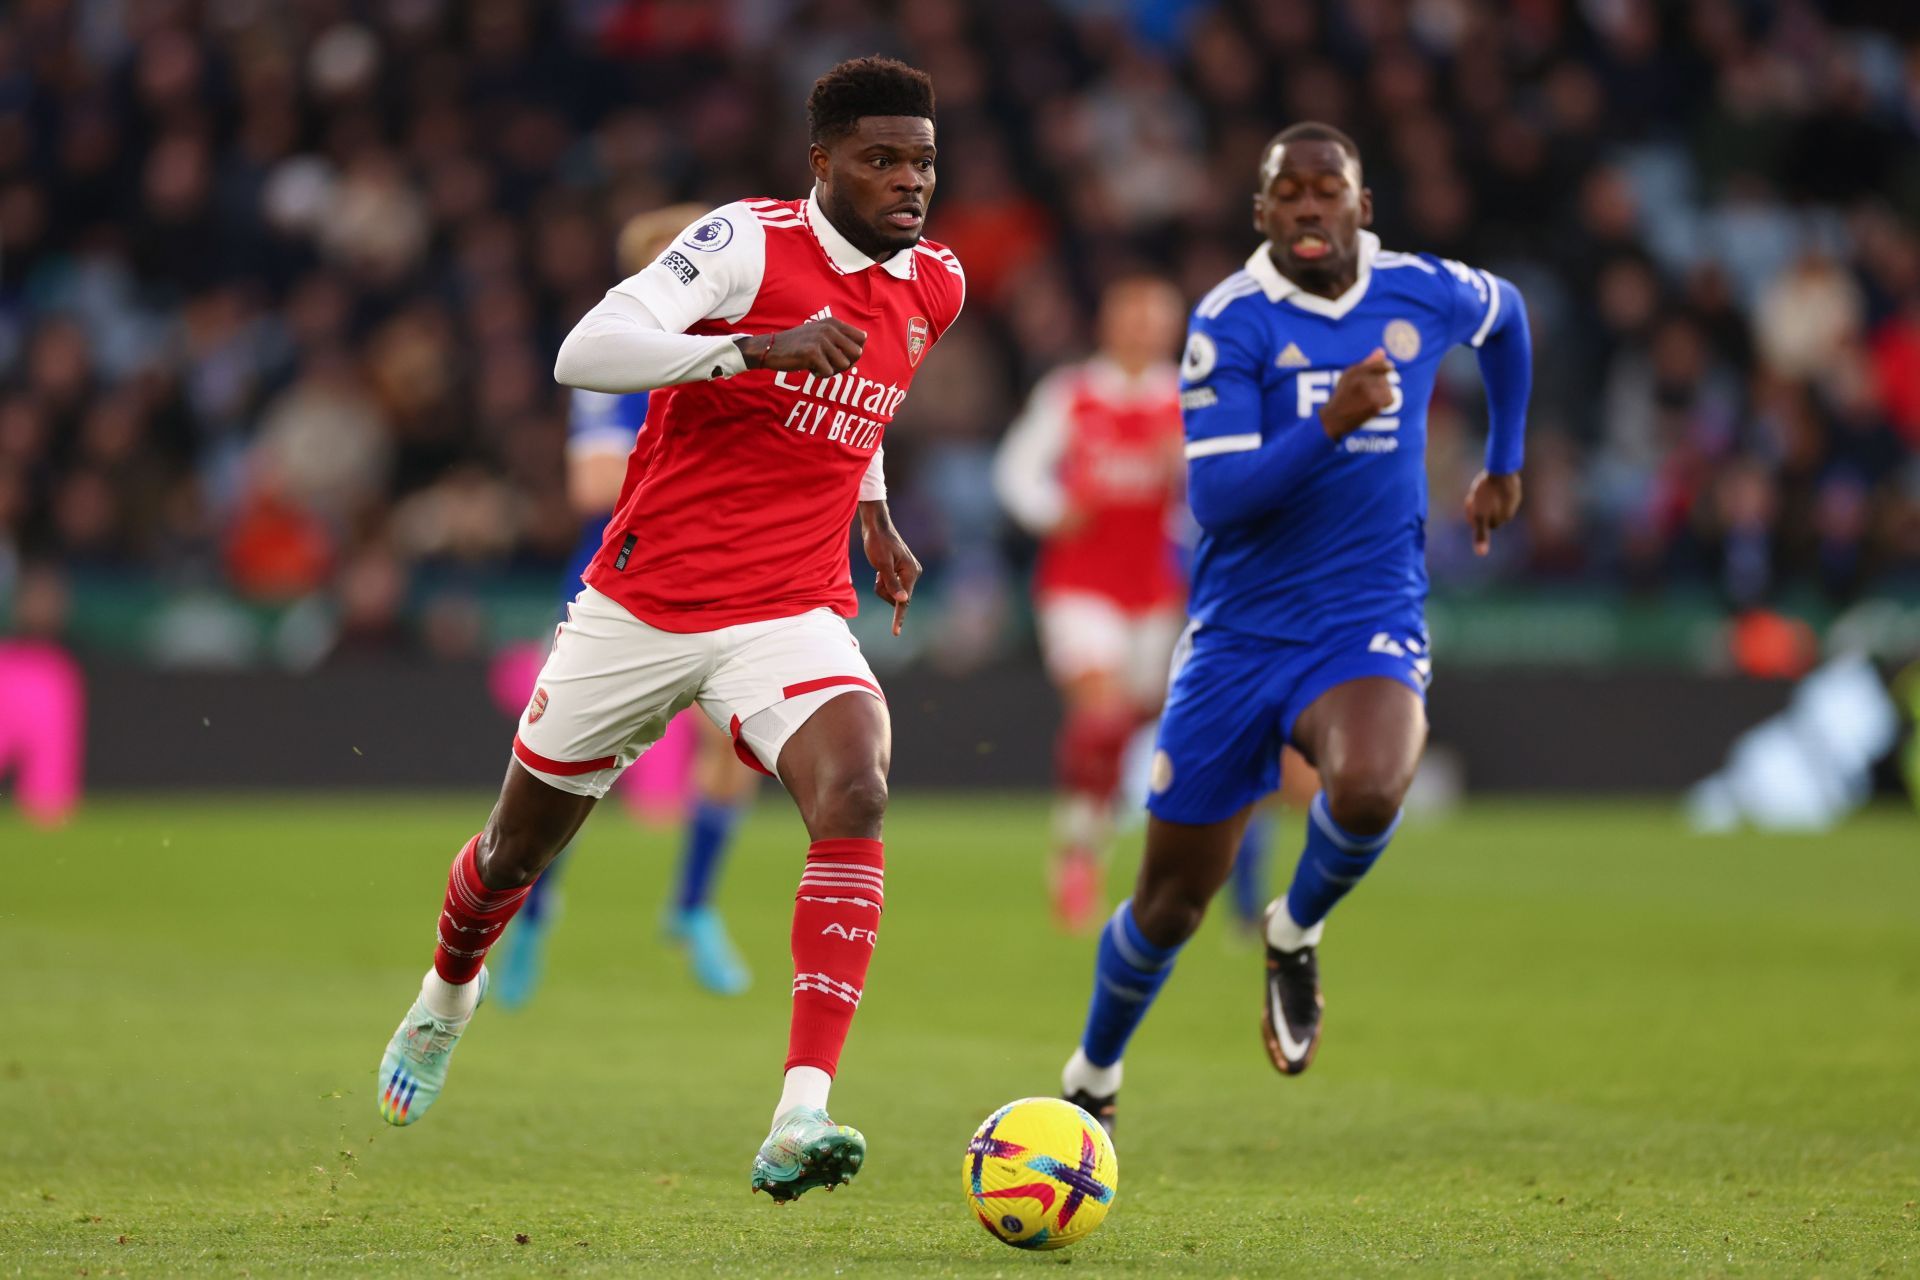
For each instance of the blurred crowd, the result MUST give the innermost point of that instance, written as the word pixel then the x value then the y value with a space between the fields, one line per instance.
pixel 281 281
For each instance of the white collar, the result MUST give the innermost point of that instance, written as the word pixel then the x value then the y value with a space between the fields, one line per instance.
pixel 1261 267
pixel 840 251
pixel 1116 383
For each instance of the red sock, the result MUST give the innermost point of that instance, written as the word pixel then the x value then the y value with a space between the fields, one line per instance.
pixel 471 919
pixel 836 921
pixel 1090 749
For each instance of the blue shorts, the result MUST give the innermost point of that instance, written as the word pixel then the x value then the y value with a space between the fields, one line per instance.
pixel 1233 701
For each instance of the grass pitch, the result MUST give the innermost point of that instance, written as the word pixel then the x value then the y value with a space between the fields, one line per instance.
pixel 1561 1039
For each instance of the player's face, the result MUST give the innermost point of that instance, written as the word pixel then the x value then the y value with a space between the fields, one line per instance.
pixel 1312 209
pixel 877 182
pixel 1141 321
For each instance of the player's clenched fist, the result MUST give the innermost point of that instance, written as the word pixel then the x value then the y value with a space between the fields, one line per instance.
pixel 1364 392
pixel 819 347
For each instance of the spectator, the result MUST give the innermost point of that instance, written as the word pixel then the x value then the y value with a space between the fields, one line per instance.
pixel 280 287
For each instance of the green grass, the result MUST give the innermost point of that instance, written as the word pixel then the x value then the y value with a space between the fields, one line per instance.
pixel 1562 1039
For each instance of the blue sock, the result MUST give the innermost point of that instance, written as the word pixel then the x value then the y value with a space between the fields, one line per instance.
pixel 1332 863
pixel 1128 973
pixel 709 830
pixel 1250 870
pixel 534 910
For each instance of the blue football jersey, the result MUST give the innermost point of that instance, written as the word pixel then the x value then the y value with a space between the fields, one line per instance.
pixel 599 422
pixel 1346 542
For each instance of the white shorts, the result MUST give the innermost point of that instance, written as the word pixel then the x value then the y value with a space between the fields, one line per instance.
pixel 612 684
pixel 1082 633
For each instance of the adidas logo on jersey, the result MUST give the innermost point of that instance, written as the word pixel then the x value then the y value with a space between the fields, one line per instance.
pixel 824 313
pixel 1292 357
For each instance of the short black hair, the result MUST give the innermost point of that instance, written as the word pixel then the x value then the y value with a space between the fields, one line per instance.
pixel 1307 131
pixel 873 86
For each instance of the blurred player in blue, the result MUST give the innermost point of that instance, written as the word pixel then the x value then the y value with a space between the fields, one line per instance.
pixel 601 430
pixel 1304 392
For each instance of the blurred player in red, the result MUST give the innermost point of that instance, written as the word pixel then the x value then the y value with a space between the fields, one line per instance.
pixel 1093 468
pixel 780 337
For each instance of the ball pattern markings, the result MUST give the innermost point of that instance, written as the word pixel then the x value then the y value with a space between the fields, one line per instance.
pixel 1040 1173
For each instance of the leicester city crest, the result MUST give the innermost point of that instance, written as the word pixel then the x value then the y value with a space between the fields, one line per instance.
pixel 1402 340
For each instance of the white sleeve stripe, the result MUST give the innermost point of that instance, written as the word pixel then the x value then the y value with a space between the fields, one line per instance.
pixel 1233 281
pixel 1493 310
pixel 945 259
pixel 1223 444
pixel 1219 301
pixel 1388 260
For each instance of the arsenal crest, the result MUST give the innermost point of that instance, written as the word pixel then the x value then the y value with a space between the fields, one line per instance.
pixel 538 707
pixel 916 339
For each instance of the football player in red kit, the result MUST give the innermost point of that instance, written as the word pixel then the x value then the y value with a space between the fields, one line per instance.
pixel 779 337
pixel 1093 467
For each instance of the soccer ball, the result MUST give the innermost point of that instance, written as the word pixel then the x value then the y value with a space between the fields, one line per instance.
pixel 1040 1173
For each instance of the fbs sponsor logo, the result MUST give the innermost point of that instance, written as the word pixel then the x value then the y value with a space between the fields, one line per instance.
pixel 1199 398
pixel 1315 387
pixel 538 707
pixel 681 266
pixel 917 331
pixel 854 934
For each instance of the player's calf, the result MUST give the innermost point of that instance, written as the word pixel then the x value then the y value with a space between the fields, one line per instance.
pixel 1334 860
pixel 413 1068
pixel 486 887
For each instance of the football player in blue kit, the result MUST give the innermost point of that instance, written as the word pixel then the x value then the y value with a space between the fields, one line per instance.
pixel 1304 391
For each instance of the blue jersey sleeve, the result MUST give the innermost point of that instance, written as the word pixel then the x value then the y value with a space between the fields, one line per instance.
pixel 1235 470
pixel 1220 387
pixel 1488 314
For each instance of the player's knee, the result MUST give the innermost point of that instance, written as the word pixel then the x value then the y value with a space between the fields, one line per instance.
pixel 512 854
pixel 1169 912
pixel 852 804
pixel 1364 802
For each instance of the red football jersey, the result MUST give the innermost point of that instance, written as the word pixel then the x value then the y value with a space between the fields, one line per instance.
pixel 741 491
pixel 1107 448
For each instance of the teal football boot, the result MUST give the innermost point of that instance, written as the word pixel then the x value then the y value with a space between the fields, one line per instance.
pixel 807 1150
pixel 715 962
pixel 413 1070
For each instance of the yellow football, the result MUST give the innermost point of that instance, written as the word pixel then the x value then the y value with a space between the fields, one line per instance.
pixel 1040 1173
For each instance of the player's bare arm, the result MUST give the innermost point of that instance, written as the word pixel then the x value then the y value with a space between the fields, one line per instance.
pixel 1492 500
pixel 895 568
pixel 1363 393
pixel 819 347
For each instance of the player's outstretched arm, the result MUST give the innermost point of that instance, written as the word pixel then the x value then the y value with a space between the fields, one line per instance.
pixel 1506 366
pixel 895 568
pixel 1233 478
